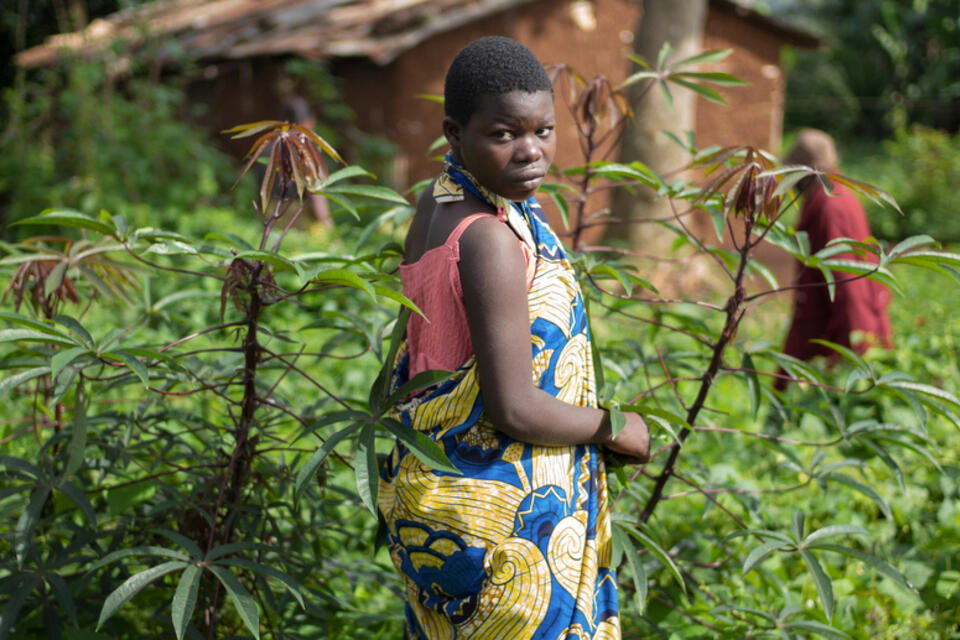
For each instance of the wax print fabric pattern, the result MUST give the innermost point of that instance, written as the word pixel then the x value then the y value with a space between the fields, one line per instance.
pixel 518 546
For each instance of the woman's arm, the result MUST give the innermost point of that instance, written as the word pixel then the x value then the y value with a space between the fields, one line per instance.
pixel 492 274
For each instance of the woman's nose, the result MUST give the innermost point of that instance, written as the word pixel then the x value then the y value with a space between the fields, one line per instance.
pixel 527 149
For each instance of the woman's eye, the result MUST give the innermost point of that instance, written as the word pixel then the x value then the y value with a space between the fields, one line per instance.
pixel 543 132
pixel 502 135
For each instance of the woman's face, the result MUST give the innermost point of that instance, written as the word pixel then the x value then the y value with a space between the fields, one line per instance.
pixel 508 143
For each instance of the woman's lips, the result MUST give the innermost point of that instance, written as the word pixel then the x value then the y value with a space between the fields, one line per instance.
pixel 529 177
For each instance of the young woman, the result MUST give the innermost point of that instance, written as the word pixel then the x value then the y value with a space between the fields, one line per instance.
pixel 518 545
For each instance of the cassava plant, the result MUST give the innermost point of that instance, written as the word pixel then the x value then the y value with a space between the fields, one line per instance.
pixel 163 449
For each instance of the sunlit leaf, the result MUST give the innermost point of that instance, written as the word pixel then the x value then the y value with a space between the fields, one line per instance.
pixel 171 248
pixel 351 171
pixel 345 278
pixel 911 243
pixel 376 192
pixel 706 92
pixel 821 580
pixel 438 143
pixel 134 364
pixel 866 490
pixel 834 530
pixel 426 450
pixel 874 562
pixel 243 602
pixel 816 627
pixel 289 583
pixel 18 379
pixel 637 570
pixel 185 599
pixel 68 218
pixel 847 353
pixel 718 78
pixel 269 257
pixel 23 531
pixel 660 554
pixel 148 550
pixel 252 128
pixel 617 420
pixel 759 554
pixel 396 296
pixel 927 390
pixel 421 381
pixel 365 468
pixel 706 57
pixel 133 585
pixel 310 466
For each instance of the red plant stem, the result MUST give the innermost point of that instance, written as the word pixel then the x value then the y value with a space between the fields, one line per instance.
pixel 709 497
pixel 153 476
pixel 666 374
pixel 766 436
pixel 307 377
pixel 286 228
pixel 200 333
pixel 160 267
pixel 576 241
pixel 790 287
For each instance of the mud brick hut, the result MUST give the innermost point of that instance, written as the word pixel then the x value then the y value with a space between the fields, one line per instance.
pixel 386 52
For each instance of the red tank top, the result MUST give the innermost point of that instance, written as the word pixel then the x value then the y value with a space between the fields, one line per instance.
pixel 442 341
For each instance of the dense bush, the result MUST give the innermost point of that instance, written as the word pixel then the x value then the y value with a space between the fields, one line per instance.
pixel 189 420
pixel 79 138
pixel 886 64
pixel 920 167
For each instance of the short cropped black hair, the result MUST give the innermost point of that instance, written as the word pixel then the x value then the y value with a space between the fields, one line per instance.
pixel 493 65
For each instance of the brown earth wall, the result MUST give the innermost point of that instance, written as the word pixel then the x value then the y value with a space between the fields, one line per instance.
pixel 753 113
pixel 387 103
pixel 386 100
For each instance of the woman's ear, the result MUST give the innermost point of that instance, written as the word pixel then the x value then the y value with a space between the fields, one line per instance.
pixel 452 131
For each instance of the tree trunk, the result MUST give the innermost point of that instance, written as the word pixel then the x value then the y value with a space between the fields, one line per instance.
pixel 679 22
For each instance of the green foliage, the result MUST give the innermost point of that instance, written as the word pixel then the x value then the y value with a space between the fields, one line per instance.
pixel 921 168
pixel 79 138
pixel 887 64
pixel 192 438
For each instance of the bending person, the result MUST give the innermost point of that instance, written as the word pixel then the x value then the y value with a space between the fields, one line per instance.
pixel 859 305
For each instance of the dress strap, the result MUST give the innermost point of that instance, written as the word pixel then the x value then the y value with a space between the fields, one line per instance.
pixel 453 240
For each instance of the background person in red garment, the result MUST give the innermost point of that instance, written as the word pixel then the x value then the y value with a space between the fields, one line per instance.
pixel 859 305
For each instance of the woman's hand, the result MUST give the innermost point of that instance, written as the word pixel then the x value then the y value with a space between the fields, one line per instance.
pixel 632 443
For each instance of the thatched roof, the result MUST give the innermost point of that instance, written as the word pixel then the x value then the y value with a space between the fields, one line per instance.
pixel 208 30
pixel 231 29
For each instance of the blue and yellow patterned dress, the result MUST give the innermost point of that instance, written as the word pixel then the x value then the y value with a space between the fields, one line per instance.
pixel 518 546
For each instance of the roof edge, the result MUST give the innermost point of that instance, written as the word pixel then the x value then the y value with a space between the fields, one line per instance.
pixel 793 35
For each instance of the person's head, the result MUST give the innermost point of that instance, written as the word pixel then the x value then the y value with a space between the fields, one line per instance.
pixel 815 149
pixel 499 119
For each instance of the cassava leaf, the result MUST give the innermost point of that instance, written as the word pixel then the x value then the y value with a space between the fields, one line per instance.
pixel 310 466
pixel 426 450
pixel 366 470
pixel 133 585
pixel 821 580
pixel 185 599
pixel 243 602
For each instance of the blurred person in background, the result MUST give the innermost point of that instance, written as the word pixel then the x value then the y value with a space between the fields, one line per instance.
pixel 857 316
